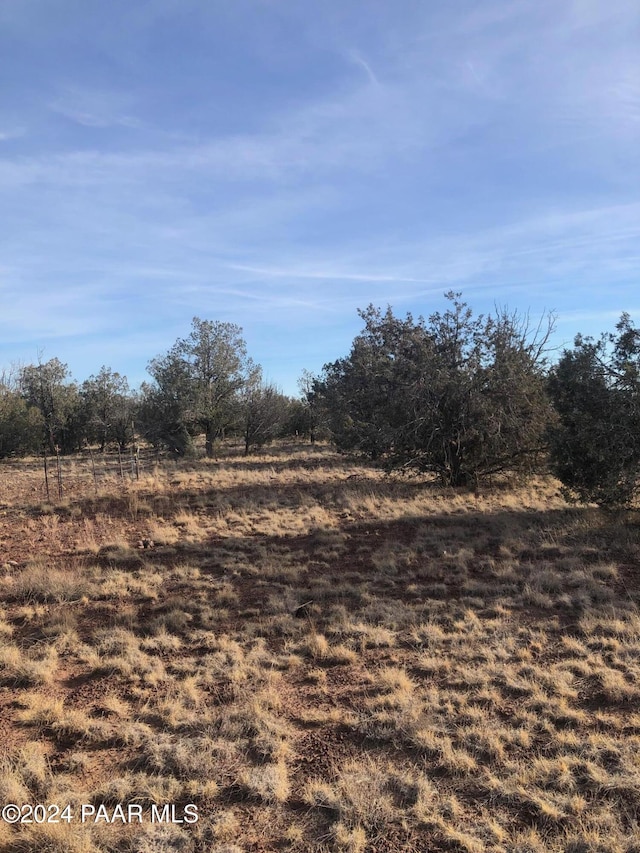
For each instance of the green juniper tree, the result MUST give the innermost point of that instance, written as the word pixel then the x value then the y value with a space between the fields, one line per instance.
pixel 458 395
pixel 595 448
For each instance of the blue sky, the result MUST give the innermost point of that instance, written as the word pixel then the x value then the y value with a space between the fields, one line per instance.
pixel 278 164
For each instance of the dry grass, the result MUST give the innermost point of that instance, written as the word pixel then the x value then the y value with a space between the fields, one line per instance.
pixel 321 658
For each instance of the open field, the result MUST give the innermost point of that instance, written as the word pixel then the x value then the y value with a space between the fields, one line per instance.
pixel 319 658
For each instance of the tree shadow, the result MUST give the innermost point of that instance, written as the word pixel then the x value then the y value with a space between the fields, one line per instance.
pixel 557 564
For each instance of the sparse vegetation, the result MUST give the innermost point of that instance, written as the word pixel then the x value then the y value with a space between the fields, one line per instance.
pixel 321 658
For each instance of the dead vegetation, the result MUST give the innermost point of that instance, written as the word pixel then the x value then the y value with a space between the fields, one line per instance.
pixel 321 659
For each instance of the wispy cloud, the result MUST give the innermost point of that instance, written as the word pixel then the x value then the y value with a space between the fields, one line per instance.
pixel 9 133
pixel 94 108
pixel 283 182
pixel 357 59
pixel 324 274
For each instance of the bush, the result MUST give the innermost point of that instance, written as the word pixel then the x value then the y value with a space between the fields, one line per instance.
pixel 595 447
pixel 461 396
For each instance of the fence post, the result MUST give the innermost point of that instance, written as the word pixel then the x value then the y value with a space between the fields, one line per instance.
pixel 59 472
pixel 46 475
pixel 120 461
pixel 93 466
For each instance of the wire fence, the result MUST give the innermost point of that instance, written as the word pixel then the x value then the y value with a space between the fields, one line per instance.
pixel 91 470
pixel 54 477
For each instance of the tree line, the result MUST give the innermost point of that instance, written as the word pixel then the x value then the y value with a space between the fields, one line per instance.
pixel 466 397
pixel 204 385
pixel 462 396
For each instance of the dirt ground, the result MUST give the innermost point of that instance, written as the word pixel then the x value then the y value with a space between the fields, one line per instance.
pixel 316 657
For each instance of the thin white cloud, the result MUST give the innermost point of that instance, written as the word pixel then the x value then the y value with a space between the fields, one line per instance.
pixel 603 316
pixel 589 243
pixel 325 274
pixel 473 72
pixel 358 59
pixel 94 108
pixel 492 152
pixel 424 106
pixel 9 133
